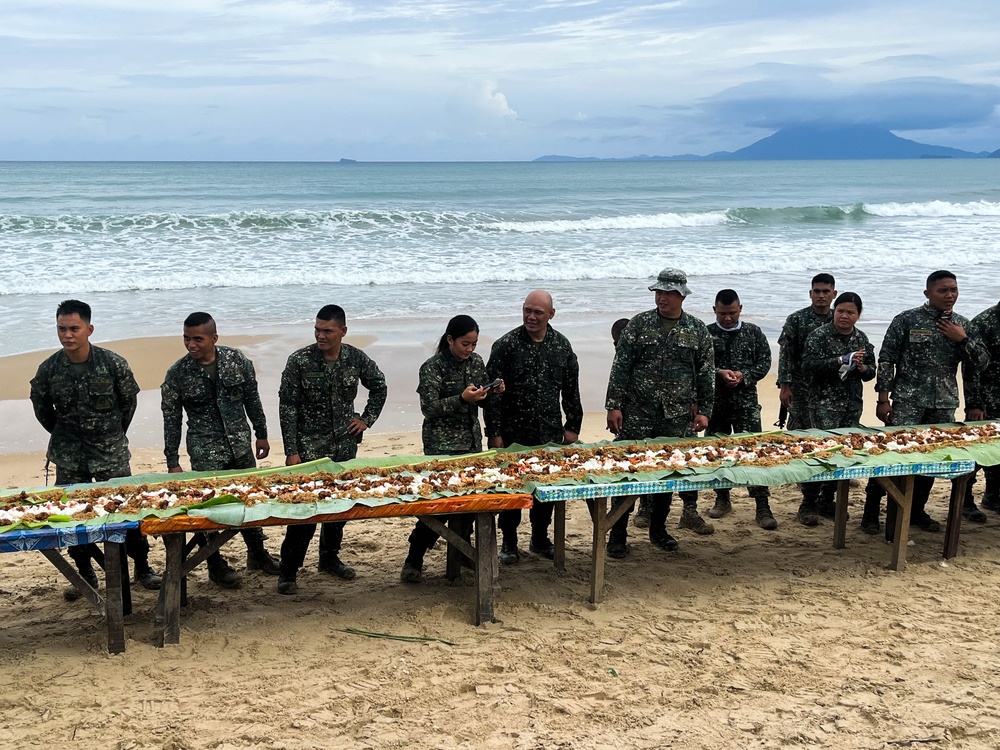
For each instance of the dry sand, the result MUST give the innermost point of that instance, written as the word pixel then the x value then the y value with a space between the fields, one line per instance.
pixel 743 639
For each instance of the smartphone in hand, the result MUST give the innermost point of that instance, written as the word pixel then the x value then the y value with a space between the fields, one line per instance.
pixel 489 386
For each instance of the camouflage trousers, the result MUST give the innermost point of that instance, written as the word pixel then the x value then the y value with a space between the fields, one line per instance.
pixel 331 537
pixel 798 412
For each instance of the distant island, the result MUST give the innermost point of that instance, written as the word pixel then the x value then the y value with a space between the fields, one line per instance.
pixel 816 142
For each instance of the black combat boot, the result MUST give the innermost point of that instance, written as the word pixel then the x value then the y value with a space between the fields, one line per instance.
pixel 808 513
pixel 146 577
pixel 258 558
pixel 641 520
pixel 221 574
pixel 969 510
pixel 723 506
pixel 691 519
pixel 764 517
pixel 71 593
pixel 508 550
pixel 873 507
pixel 658 511
pixel 413 565
pixel 618 541
pixel 541 544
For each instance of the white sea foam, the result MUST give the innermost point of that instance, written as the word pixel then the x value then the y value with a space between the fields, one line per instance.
pixel 933 209
pixel 634 221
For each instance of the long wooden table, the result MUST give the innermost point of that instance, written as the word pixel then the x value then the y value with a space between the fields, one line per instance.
pixel 897 480
pixel 179 563
pixel 117 599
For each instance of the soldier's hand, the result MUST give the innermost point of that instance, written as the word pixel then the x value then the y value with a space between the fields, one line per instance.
pixel 494 442
pixel 951 329
pixel 263 448
pixel 884 412
pixel 570 437
pixel 356 427
pixel 474 393
pixel 975 415
pixel 700 422
pixel 175 470
pixel 785 395
pixel 615 421
pixel 292 460
pixel 729 378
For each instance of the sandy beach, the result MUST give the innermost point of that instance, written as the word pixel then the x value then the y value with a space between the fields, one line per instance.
pixel 745 638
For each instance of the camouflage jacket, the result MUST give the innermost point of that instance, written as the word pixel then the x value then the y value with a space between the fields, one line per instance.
pixel 982 390
pixel 86 409
pixel 316 399
pixel 792 343
pixel 217 410
pixel 832 400
pixel 535 376
pixel 451 424
pixel 746 350
pixel 918 365
pixel 663 375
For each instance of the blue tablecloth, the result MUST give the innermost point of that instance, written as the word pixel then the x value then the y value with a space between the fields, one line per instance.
pixel 25 540
pixel 558 493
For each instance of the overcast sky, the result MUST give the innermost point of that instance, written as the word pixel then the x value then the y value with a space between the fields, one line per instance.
pixel 424 80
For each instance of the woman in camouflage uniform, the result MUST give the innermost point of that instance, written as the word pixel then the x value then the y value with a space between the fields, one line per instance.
pixel 837 360
pixel 451 394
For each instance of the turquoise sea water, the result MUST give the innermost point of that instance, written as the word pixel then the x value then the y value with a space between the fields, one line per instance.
pixel 262 244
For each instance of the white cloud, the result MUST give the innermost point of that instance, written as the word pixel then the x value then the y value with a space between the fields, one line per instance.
pixel 495 102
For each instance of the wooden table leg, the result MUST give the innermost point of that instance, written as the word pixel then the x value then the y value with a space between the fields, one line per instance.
pixel 486 567
pixel 954 528
pixel 600 515
pixel 840 517
pixel 168 625
pixel 901 495
pixel 113 608
pixel 559 532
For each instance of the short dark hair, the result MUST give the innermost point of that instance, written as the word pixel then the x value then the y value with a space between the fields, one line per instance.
pixel 457 327
pixel 938 276
pixel 332 312
pixel 616 329
pixel 824 278
pixel 848 297
pixel 70 306
pixel 196 319
pixel 727 297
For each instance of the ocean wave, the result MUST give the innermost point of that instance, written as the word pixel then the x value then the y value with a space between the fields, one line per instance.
pixel 934 209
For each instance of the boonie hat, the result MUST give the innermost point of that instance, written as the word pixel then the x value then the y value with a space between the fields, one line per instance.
pixel 671 280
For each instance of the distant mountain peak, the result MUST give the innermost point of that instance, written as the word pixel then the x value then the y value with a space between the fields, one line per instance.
pixel 817 141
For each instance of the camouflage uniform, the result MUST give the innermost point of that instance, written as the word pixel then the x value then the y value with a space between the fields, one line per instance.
pixel 738 409
pixel 87 408
pixel 659 380
pixel 451 427
pixel 217 410
pixel 451 424
pixel 218 436
pixel 316 405
pixel 918 365
pixel 832 402
pixel 792 344
pixel 982 391
pixel 536 376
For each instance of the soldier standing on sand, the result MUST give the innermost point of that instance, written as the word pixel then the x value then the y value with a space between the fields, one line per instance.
pixel 662 384
pixel 451 394
pixel 917 367
pixel 982 401
pixel 538 367
pixel 85 397
pixel 742 359
pixel 217 387
pixel 837 360
pixel 316 411
pixel 792 344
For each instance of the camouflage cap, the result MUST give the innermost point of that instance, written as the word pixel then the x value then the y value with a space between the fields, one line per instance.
pixel 671 280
